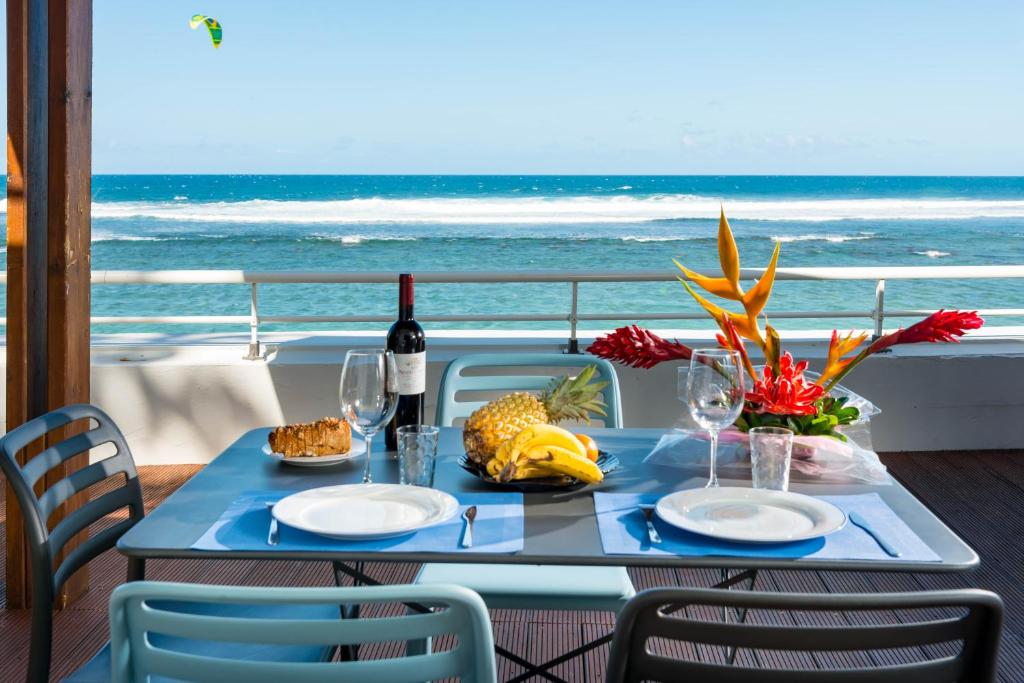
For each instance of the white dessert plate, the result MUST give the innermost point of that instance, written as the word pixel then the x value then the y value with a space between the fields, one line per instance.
pixel 750 515
pixel 359 512
pixel 357 449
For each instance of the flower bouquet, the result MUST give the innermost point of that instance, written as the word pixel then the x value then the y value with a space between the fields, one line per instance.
pixel 816 408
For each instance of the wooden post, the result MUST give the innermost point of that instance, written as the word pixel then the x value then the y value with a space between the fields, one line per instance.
pixel 49 85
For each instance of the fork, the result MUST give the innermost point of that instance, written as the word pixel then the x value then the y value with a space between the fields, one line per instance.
pixel 273 536
pixel 652 533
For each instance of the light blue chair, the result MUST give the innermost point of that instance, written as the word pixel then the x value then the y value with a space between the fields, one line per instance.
pixel 145 634
pixel 449 408
pixel 605 589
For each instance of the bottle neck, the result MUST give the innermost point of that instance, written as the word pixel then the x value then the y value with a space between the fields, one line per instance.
pixel 405 297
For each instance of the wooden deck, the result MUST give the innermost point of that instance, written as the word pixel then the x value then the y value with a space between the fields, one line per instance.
pixel 979 494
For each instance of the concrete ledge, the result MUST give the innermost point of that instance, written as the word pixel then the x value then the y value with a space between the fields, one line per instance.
pixel 184 398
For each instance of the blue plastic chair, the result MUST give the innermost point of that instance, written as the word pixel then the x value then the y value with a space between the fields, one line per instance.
pixel 145 634
pixel 95 430
pixel 450 409
pixel 508 586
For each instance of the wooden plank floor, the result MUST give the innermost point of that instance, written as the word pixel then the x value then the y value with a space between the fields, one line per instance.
pixel 979 494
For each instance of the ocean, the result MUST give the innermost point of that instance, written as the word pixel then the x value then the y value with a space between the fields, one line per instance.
pixel 600 223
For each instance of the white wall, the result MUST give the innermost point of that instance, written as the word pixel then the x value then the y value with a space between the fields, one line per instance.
pixel 183 399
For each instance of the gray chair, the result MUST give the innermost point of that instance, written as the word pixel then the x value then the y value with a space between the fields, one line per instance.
pixel 45 545
pixel 654 614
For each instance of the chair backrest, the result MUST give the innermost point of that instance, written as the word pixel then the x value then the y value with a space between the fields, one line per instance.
pixel 449 409
pixel 138 617
pixel 45 545
pixel 651 626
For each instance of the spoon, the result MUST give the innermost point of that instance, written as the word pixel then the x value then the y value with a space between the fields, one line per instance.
pixel 467 534
pixel 273 536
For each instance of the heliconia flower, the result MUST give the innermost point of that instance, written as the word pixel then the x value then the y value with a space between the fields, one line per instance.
pixel 785 393
pixel 728 287
pixel 639 348
pixel 730 339
pixel 941 326
pixel 837 348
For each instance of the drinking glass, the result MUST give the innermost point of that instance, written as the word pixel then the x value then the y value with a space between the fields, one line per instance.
pixel 714 394
pixel 771 449
pixel 417 454
pixel 368 394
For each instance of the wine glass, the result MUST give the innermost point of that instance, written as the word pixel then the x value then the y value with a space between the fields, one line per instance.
pixel 714 394
pixel 368 394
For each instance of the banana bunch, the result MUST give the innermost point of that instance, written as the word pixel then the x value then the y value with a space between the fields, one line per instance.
pixel 543 450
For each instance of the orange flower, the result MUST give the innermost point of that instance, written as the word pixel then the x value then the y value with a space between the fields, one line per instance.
pixel 837 348
pixel 728 287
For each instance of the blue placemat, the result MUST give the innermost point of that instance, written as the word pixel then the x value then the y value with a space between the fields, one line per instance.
pixel 498 529
pixel 624 532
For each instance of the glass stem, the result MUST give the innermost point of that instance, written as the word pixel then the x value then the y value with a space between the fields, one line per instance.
pixel 367 479
pixel 713 475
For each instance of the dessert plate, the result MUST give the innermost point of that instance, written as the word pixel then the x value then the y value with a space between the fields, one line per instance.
pixel 360 512
pixel 357 449
pixel 750 515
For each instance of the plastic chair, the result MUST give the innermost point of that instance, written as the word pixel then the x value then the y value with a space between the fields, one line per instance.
pixel 144 634
pixel 449 409
pixel 45 545
pixel 529 586
pixel 646 617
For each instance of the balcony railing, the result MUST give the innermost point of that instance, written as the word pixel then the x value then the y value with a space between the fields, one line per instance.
pixel 573 278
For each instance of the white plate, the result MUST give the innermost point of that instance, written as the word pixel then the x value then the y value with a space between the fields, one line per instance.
pixel 357 449
pixel 356 512
pixel 750 515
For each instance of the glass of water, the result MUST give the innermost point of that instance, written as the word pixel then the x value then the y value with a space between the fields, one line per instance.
pixel 417 455
pixel 714 394
pixel 771 450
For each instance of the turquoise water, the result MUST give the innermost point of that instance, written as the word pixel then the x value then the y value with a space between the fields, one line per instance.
pixel 601 223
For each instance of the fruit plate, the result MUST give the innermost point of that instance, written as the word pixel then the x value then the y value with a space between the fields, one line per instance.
pixel 357 449
pixel 606 462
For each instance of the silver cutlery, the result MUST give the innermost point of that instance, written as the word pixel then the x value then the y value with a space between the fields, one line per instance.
pixel 467 533
pixel 273 536
pixel 859 520
pixel 652 533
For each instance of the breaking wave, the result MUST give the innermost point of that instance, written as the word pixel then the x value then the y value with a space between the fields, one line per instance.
pixel 562 210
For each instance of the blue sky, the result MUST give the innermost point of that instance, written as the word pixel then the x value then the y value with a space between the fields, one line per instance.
pixel 480 86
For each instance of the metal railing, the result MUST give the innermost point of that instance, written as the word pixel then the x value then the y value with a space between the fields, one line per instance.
pixel 574 278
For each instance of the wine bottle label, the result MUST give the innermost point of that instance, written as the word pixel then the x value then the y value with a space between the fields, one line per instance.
pixel 412 373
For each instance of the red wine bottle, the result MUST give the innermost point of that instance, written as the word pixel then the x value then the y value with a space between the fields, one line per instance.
pixel 407 341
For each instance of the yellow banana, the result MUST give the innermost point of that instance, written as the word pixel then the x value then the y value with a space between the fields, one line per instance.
pixel 549 435
pixel 562 461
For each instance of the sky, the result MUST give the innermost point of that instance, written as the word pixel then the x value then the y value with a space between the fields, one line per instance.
pixel 575 86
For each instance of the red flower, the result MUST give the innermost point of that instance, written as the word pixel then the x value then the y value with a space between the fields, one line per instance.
pixel 787 393
pixel 941 326
pixel 638 348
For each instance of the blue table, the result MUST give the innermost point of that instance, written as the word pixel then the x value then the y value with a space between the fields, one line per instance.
pixel 560 528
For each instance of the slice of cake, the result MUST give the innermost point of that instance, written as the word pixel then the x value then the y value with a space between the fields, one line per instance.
pixel 327 436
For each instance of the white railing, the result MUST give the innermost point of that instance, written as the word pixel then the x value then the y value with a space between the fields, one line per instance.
pixel 574 278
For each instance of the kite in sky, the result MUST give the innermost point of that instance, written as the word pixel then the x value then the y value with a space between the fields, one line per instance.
pixel 216 30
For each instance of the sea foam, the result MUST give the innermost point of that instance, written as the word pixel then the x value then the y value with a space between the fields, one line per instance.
pixel 562 210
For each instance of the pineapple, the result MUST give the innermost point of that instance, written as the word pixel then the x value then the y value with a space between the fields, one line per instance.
pixel 568 398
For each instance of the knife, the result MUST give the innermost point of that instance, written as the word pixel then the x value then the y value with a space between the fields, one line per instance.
pixel 859 520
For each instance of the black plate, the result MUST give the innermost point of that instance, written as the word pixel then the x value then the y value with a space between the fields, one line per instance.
pixel 606 462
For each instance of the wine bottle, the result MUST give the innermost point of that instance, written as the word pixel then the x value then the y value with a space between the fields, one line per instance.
pixel 407 341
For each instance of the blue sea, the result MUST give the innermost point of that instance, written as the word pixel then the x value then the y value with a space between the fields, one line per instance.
pixel 599 223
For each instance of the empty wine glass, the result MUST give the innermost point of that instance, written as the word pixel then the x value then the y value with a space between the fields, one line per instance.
pixel 369 394
pixel 714 394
